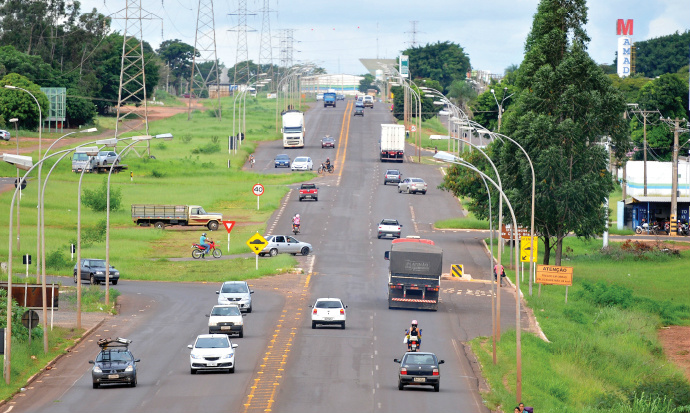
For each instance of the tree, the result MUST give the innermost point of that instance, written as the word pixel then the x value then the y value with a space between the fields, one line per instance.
pixel 665 54
pixel 429 110
pixel 178 56
pixel 566 103
pixel 97 199
pixel 19 104
pixel 79 111
pixel 441 61
pixel 366 83
pixel 485 109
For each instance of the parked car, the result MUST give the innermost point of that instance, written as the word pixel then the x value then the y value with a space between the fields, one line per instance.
pixel 419 369
pixel 107 158
pixel 328 142
pixel 114 364
pixel 281 244
pixel 389 228
pixel 359 111
pixel 94 271
pixel 237 293
pixel 328 311
pixel 282 160
pixel 412 186
pixel 212 352
pixel 4 135
pixel 226 319
pixel 392 175
pixel 302 163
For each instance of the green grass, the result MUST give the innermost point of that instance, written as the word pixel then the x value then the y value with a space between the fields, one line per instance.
pixel 92 298
pixel 180 174
pixel 468 222
pixel 604 348
pixel 27 359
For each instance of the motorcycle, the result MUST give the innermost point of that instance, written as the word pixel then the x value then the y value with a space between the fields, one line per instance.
pixel 642 228
pixel 198 250
pixel 324 168
pixel 413 341
pixel 684 229
pixel 295 228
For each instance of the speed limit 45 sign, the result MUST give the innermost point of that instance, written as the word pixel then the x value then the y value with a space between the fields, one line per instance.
pixel 258 189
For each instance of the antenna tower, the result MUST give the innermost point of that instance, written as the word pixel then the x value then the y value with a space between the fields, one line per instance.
pixel 131 100
pixel 413 33
pixel 242 55
pixel 265 49
pixel 205 47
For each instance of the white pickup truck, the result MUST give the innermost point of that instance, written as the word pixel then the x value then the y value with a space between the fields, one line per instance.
pixel 389 228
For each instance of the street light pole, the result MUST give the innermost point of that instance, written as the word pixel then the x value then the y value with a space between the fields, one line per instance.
pixel 16 132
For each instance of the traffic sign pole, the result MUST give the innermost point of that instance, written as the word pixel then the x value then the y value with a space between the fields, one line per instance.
pixel 257 203
pixel 228 242
pixel 258 190
pixel 257 262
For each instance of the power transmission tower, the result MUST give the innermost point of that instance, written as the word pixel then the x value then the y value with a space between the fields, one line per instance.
pixel 265 49
pixel 242 54
pixel 131 97
pixel 205 47
pixel 413 33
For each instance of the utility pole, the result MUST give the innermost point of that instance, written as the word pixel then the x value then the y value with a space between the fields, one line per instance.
pixel 644 114
pixel 677 130
pixel 205 47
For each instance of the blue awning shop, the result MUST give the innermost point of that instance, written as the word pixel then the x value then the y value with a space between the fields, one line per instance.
pixel 652 208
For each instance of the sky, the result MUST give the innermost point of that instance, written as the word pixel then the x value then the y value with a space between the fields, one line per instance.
pixel 336 34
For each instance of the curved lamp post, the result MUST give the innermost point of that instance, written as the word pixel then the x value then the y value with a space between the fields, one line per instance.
pixel 40 164
pixel 518 355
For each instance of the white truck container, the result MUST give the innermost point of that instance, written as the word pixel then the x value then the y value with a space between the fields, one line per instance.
pixel 392 142
pixel 293 129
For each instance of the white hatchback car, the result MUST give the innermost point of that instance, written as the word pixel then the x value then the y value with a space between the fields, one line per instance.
pixel 328 311
pixel 226 319
pixel 302 163
pixel 212 352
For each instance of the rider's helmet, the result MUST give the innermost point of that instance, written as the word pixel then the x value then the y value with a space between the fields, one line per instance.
pixel 328 159
pixel 414 323
pixel 204 234
pixel 297 216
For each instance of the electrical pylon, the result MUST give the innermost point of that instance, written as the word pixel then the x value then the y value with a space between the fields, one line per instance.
pixel 265 49
pixel 205 47
pixel 413 33
pixel 242 54
pixel 131 96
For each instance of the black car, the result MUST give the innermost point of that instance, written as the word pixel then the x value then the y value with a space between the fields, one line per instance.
pixel 419 369
pixel 282 160
pixel 94 271
pixel 359 111
pixel 115 364
pixel 328 142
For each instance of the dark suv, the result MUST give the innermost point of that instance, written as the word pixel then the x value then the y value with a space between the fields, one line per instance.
pixel 359 111
pixel 94 271
pixel 115 364
pixel 392 175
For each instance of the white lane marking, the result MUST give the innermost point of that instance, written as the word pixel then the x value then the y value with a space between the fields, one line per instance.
pixel 9 409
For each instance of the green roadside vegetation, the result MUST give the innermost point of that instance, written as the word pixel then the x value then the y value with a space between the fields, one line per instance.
pixel 190 169
pixel 603 353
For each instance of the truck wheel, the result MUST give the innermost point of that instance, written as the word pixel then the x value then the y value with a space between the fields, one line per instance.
pixel 159 225
pixel 213 225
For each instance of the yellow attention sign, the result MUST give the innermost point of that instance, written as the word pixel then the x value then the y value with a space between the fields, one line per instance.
pixel 554 275
pixel 257 243
pixel 525 246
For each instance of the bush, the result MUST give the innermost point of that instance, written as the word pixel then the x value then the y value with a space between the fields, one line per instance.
pixel 57 260
pixel 156 174
pixel 186 138
pixel 605 295
pixel 90 235
pixel 97 199
pixel 674 389
pixel 207 149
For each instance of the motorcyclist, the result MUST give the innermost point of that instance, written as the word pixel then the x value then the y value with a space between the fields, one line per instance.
pixel 296 221
pixel 202 242
pixel 328 164
pixel 413 331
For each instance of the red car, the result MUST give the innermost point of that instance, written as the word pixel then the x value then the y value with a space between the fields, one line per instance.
pixel 328 142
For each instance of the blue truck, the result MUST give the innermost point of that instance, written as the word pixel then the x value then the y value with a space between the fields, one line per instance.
pixel 329 99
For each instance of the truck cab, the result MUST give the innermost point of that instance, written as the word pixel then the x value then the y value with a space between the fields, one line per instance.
pixel 329 99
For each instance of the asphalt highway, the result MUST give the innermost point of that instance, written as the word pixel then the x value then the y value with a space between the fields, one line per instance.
pixel 283 365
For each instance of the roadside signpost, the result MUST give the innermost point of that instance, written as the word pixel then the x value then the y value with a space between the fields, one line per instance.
pixel 258 190
pixel 257 243
pixel 525 246
pixel 228 227
pixel 555 275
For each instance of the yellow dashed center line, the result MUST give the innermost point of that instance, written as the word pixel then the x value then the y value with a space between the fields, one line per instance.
pixel 262 394
pixel 344 132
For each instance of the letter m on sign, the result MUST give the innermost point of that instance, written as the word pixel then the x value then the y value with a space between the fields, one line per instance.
pixel 624 27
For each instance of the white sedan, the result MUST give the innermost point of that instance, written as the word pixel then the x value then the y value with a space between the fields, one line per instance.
pixel 328 311
pixel 302 163
pixel 212 352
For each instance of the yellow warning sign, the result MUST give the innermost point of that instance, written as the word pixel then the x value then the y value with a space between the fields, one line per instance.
pixel 456 270
pixel 525 247
pixel 257 243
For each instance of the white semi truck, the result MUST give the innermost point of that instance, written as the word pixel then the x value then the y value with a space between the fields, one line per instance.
pixel 293 129
pixel 392 142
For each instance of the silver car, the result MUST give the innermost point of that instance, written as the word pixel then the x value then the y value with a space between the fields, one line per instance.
pixel 4 135
pixel 412 186
pixel 237 293
pixel 107 158
pixel 280 244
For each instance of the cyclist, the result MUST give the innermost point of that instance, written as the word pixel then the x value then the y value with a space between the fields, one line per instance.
pixel 251 160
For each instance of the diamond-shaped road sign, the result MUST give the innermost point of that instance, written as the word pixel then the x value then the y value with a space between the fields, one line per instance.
pixel 257 243
pixel 228 225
